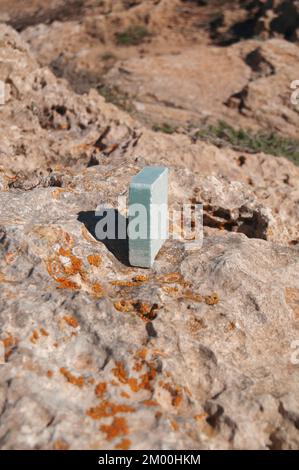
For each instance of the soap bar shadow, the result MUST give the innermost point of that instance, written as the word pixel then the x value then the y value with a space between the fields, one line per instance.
pixel 119 247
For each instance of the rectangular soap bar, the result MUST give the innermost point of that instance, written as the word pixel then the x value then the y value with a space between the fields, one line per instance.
pixel 148 215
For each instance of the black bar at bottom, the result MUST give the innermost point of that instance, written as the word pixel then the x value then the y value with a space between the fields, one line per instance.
pixel 132 459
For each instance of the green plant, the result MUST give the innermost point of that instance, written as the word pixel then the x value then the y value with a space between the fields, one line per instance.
pixel 164 127
pixel 112 94
pixel 267 142
pixel 132 36
pixel 108 56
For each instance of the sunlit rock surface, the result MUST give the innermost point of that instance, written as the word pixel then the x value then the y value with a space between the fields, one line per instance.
pixel 196 352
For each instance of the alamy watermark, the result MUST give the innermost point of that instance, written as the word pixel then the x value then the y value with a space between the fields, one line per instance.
pixel 155 223
pixel 295 352
pixel 295 344
pixel 295 95
pixel 2 353
pixel 2 93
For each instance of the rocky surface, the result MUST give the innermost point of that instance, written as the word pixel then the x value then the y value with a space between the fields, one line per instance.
pixel 184 88
pixel 195 353
pixel 261 18
pixel 170 75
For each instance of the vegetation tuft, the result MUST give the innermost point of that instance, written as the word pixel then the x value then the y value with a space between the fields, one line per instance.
pixel 132 36
pixel 267 142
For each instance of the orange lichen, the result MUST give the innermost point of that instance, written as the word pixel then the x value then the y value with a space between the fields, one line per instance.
pixel 63 265
pixel 49 374
pixel 120 372
pixel 143 308
pixel 107 408
pixel 170 278
pixel 71 321
pixel 150 403
pixel 94 260
pixel 138 366
pixel 65 252
pixel 126 283
pixel 125 394
pixel 201 416
pixel 72 379
pixel 187 294
pixel 34 337
pixel 97 289
pixel 60 271
pixel 212 299
pixel 53 267
pixel 137 280
pixel 60 444
pixel 145 379
pixel 44 332
pixel 75 262
pixel 123 305
pixel 118 427
pixel 175 392
pixel 9 344
pixel 171 290
pixel 100 389
pixel 174 425
pixel 10 257
pixel 67 284
pixel 57 193
pixel 142 353
pixel 133 384
pixel 176 401
pixel 148 377
pixel 193 296
pixel 125 444
pixel 9 341
pixel 140 278
pixel 145 311
pixel 292 299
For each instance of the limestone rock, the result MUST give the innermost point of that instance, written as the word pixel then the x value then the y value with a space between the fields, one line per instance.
pixel 195 353
pixel 184 88
pixel 175 75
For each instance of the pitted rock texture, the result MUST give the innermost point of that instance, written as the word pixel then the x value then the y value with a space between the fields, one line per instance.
pixel 254 90
pixel 197 61
pixel 195 353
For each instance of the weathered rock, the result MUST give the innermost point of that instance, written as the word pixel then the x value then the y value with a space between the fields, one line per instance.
pixel 186 88
pixel 174 75
pixel 192 99
pixel 260 18
pixel 70 130
pixel 210 371
pixel 194 353
pixel 51 125
pixel 64 328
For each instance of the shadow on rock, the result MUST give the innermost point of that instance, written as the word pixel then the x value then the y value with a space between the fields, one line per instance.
pixel 115 225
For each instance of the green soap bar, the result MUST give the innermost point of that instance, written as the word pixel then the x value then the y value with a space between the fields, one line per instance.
pixel 148 215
